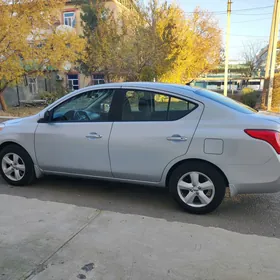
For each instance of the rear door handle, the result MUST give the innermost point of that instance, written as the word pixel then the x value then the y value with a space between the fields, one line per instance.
pixel 177 137
pixel 93 135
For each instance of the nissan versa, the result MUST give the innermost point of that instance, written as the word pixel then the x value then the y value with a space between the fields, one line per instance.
pixel 194 142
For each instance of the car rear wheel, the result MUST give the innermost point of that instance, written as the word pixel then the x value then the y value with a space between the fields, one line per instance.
pixel 16 167
pixel 198 187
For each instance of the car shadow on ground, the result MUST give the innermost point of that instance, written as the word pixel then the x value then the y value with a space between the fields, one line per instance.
pixel 250 214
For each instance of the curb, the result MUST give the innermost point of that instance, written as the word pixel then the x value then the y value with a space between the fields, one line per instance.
pixel 8 118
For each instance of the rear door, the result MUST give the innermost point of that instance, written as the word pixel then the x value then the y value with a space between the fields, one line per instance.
pixel 155 128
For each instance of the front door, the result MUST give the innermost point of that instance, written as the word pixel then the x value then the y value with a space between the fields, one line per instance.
pixel 75 140
pixel 154 129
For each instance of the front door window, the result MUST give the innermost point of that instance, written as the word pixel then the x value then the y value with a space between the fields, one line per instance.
pixel 91 106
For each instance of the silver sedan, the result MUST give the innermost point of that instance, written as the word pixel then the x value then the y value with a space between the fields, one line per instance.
pixel 195 142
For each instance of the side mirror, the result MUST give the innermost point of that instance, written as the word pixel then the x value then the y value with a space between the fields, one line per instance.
pixel 46 117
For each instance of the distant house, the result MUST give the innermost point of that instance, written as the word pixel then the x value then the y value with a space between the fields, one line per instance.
pixel 237 78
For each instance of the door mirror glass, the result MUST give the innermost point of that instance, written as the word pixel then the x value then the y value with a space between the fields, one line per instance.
pixel 47 116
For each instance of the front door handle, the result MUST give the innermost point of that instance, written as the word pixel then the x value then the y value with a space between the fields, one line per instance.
pixel 177 137
pixel 93 135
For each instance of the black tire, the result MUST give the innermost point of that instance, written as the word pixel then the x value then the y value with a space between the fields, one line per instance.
pixel 29 175
pixel 211 172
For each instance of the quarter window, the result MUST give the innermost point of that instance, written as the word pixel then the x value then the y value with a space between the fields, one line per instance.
pixel 178 108
pixel 148 106
pixel 91 106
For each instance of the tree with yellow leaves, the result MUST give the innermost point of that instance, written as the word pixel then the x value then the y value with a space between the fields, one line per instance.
pixel 196 46
pixel 31 42
pixel 157 41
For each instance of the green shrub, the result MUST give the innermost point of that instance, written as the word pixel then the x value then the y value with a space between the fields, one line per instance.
pixel 247 90
pixel 250 99
pixel 50 97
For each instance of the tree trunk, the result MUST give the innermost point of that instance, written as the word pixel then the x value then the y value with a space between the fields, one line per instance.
pixel 2 101
pixel 108 78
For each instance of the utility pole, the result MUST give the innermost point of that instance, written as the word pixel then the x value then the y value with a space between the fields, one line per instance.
pixel 268 59
pixel 227 47
pixel 274 53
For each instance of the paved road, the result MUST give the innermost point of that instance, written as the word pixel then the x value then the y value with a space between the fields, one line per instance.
pixel 248 214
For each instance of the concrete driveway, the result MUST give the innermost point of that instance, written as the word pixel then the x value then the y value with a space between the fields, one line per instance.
pixel 79 229
pixel 248 214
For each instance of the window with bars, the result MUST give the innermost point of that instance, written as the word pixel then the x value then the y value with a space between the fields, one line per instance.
pixel 32 84
pixel 69 18
pixel 73 81
pixel 98 79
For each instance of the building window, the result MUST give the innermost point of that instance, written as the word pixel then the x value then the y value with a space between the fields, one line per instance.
pixel 98 79
pixel 32 84
pixel 69 19
pixel 73 81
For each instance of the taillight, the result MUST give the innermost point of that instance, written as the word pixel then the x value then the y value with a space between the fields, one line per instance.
pixel 270 136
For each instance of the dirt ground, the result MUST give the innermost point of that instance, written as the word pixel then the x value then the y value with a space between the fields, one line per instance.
pixel 21 111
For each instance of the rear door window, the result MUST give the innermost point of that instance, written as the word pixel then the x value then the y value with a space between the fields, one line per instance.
pixel 149 106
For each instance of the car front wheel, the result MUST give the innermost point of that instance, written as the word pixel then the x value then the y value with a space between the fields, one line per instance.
pixel 198 187
pixel 17 167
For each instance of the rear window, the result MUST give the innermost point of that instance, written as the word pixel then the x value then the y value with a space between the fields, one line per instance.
pixel 226 101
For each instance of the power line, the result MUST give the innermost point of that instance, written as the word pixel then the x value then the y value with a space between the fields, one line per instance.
pixel 252 14
pixel 242 47
pixel 240 10
pixel 257 19
pixel 256 8
pixel 239 35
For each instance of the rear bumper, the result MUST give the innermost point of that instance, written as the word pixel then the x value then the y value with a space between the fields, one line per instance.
pixel 254 178
pixel 268 187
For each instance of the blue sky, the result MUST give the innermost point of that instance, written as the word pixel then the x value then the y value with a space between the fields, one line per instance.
pixel 246 26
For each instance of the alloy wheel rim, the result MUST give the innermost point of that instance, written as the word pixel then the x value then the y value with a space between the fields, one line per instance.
pixel 13 167
pixel 196 189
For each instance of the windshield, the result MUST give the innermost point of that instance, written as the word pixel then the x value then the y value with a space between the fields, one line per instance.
pixel 226 101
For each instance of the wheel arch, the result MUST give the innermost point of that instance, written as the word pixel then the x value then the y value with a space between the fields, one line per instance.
pixel 7 143
pixel 188 161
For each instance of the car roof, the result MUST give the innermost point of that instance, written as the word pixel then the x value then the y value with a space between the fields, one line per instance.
pixel 196 94
pixel 172 88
